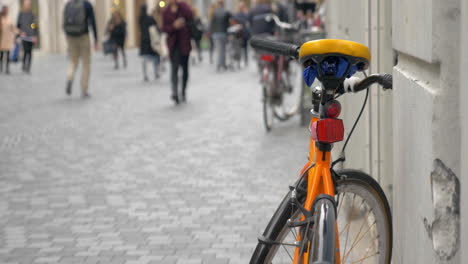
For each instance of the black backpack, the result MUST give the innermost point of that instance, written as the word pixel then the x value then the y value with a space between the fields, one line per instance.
pixel 74 18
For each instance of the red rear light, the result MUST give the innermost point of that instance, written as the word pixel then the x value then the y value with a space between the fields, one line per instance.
pixel 267 58
pixel 329 130
pixel 333 109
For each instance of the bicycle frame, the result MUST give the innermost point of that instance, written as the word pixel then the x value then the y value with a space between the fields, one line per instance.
pixel 319 181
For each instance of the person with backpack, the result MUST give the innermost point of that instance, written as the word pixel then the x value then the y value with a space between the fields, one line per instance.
pixel 78 17
pixel 8 32
pixel 28 32
pixel 219 26
pixel 149 34
pixel 176 19
pixel 117 30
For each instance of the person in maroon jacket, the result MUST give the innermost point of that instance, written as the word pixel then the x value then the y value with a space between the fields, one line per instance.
pixel 176 19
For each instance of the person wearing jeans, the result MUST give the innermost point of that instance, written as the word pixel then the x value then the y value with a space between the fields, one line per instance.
pixel 176 18
pixel 219 26
pixel 146 49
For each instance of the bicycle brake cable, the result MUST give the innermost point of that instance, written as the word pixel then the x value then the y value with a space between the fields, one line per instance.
pixel 342 157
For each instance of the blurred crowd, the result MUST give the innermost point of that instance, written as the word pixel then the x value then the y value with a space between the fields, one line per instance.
pixel 168 33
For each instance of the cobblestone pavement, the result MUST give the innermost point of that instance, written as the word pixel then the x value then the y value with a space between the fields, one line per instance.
pixel 127 177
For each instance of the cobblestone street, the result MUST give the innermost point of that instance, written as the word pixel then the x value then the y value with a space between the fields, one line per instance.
pixel 127 177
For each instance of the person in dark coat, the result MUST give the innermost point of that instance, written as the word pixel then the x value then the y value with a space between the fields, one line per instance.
pixel 176 18
pixel 146 50
pixel 28 32
pixel 242 16
pixel 117 29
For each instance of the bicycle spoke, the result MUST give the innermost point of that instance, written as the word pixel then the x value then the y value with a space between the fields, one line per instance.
pixel 355 243
pixel 288 253
pixel 352 216
pixel 360 230
pixel 364 258
pixel 340 203
pixel 349 224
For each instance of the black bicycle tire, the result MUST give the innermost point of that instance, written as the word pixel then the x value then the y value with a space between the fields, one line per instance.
pixel 266 108
pixel 283 213
pixel 304 112
pixel 277 222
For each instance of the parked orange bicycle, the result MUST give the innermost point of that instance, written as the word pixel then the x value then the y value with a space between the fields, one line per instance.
pixel 329 216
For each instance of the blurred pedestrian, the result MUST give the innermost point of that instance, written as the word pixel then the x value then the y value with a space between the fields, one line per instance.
pixel 158 17
pixel 211 11
pixel 176 19
pixel 117 30
pixel 197 33
pixel 257 21
pixel 242 16
pixel 219 26
pixel 147 51
pixel 28 31
pixel 8 32
pixel 78 17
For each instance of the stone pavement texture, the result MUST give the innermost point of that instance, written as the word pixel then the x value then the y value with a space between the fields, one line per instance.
pixel 127 177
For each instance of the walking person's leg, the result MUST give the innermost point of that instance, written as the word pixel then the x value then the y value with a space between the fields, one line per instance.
pixel 223 50
pixel 124 56
pixel 199 49
pixel 246 55
pixel 145 72
pixel 156 62
pixel 212 47
pixel 7 62
pixel 73 56
pixel 27 56
pixel 175 60
pixel 28 69
pixel 115 55
pixel 184 61
pixel 85 53
pixel 1 61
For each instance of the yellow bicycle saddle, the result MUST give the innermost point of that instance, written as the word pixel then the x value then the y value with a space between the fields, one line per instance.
pixel 318 49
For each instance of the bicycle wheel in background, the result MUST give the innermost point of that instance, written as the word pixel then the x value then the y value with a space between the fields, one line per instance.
pixel 268 79
pixel 289 89
pixel 364 224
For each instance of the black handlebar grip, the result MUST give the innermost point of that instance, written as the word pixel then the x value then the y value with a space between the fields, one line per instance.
pixel 386 80
pixel 275 47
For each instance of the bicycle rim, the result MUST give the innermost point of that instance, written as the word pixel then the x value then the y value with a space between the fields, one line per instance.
pixel 290 89
pixel 268 114
pixel 364 222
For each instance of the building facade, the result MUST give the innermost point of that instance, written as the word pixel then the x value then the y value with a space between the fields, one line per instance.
pixel 50 17
pixel 420 127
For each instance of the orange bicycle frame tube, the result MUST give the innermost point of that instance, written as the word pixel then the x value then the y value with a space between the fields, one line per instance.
pixel 319 181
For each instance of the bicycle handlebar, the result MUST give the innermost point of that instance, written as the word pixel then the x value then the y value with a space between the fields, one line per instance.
pixel 279 23
pixel 275 47
pixel 385 80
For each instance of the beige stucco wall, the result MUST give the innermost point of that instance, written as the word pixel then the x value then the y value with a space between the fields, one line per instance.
pixel 369 149
pixel 421 120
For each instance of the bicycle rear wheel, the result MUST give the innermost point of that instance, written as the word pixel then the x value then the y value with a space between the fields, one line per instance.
pixel 364 223
pixel 267 83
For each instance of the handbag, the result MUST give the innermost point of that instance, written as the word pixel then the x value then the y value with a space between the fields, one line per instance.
pixel 14 57
pixel 108 47
pixel 155 39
